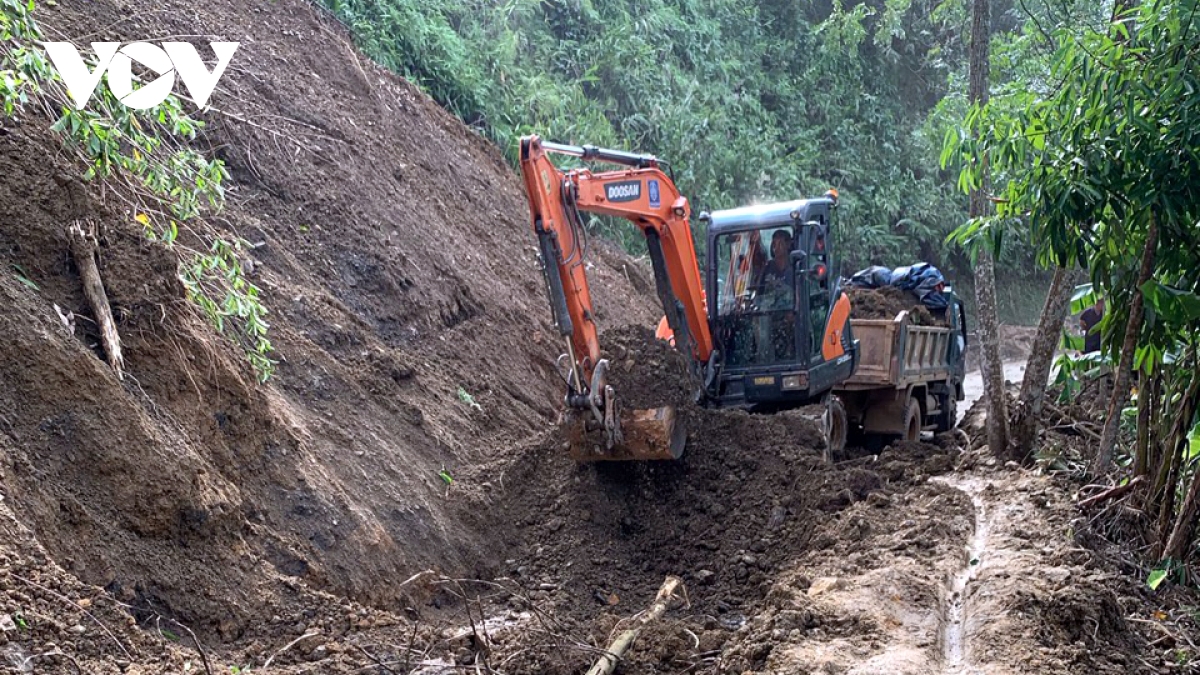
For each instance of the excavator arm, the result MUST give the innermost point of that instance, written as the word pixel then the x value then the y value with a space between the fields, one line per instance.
pixel 643 194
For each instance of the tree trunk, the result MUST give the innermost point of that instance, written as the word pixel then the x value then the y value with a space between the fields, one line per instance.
pixel 991 367
pixel 1176 446
pixel 1146 397
pixel 83 248
pixel 1163 493
pixel 1120 394
pixel 985 268
pixel 1037 369
pixel 1185 522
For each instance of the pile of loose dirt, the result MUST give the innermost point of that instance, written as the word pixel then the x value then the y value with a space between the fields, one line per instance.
pixel 592 543
pixel 646 372
pixel 887 302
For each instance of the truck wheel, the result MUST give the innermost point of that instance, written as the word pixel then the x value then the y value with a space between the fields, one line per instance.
pixel 912 421
pixel 836 429
pixel 948 417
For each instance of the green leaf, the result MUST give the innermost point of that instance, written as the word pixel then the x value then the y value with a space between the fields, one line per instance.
pixel 23 277
pixel 1083 298
pixel 468 399
pixel 1173 304
pixel 1156 578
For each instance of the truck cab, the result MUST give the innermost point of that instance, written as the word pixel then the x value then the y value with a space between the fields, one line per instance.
pixel 781 335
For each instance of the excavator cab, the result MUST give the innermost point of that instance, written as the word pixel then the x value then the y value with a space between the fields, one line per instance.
pixel 780 323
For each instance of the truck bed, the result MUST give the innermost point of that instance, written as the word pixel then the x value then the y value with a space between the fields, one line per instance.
pixel 897 353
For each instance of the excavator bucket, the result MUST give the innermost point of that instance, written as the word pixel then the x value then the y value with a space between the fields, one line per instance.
pixel 646 434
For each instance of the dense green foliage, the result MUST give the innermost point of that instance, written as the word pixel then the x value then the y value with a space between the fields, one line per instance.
pixel 1093 162
pixel 759 100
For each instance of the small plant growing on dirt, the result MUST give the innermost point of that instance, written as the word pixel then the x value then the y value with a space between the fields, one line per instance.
pixel 23 277
pixel 468 399
pixel 165 185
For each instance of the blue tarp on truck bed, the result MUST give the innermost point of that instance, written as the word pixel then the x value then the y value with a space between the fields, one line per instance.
pixel 923 279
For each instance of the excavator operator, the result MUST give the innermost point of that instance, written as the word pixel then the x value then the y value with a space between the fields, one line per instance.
pixel 775 283
pixel 775 302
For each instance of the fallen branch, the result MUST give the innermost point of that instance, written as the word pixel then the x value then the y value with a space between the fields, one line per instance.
pixel 1066 421
pixel 382 666
pixel 26 666
pixel 607 663
pixel 1080 428
pixel 196 641
pixel 1111 493
pixel 83 248
pixel 288 646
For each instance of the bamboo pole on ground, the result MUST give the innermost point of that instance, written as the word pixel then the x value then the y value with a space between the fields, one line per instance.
pixel 607 663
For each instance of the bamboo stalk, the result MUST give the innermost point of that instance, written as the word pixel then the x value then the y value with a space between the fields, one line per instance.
pixel 607 663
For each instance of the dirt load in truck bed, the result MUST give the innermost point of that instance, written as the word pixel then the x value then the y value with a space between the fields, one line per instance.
pixel 887 302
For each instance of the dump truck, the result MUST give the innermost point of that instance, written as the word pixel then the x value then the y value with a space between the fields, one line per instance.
pixel 909 376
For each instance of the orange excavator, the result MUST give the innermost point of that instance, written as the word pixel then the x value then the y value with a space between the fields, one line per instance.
pixel 776 336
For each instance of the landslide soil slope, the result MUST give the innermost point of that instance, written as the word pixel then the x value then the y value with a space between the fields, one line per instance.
pixel 392 247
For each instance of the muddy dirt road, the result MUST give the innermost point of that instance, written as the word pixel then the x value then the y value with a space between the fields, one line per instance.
pixel 391 501
pixel 926 559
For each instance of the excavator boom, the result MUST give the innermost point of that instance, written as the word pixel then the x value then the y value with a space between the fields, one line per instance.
pixel 643 194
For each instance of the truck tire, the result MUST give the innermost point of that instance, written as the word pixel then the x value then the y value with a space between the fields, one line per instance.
pixel 837 427
pixel 912 421
pixel 948 417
